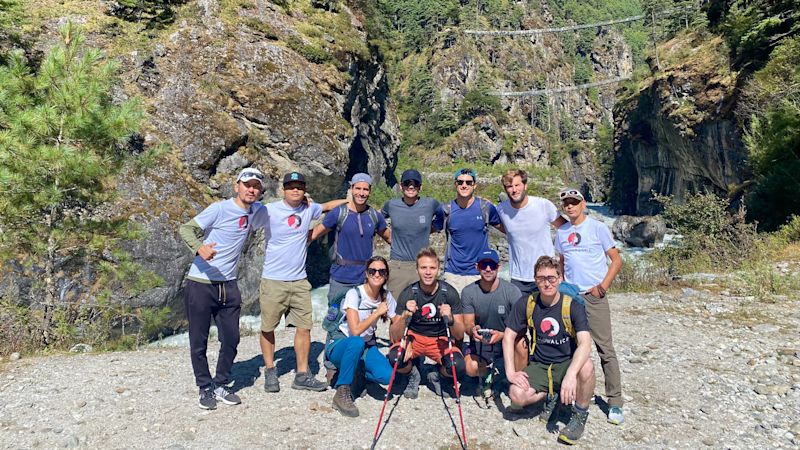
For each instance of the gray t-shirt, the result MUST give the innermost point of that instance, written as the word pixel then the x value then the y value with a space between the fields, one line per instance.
pixel 490 308
pixel 411 225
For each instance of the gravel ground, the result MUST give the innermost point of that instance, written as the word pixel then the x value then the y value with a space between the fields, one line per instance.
pixel 699 369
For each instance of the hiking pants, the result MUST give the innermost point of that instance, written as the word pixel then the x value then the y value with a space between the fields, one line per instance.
pixel 346 355
pixel 599 314
pixel 222 302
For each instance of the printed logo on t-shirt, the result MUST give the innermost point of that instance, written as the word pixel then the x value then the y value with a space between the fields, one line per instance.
pixel 428 311
pixel 243 222
pixel 574 238
pixel 294 221
pixel 550 326
pixel 422 219
pixel 501 309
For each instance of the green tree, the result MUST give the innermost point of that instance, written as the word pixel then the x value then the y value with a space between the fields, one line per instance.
pixel 61 141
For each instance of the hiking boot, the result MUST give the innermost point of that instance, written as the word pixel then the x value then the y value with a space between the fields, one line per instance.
pixel 306 381
pixel 615 415
pixel 435 383
pixel 574 429
pixel 550 405
pixel 343 401
pixel 207 400
pixel 271 383
pixel 225 396
pixel 412 387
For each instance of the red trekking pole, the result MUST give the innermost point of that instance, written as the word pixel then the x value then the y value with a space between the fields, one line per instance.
pixel 401 353
pixel 455 383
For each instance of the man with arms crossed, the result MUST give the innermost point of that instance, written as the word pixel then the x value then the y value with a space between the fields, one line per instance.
pixel 211 290
pixel 413 219
pixel 559 363
pixel 284 289
pixel 467 220
pixel 584 243
pixel 527 220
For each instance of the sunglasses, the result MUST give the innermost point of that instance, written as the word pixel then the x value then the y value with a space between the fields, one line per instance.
pixel 569 193
pixel 294 187
pixel 487 265
pixel 541 280
pixel 372 272
pixel 467 182
pixel 411 183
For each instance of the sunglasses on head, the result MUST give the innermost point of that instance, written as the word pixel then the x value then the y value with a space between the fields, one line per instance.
pixel 487 265
pixel 382 272
pixel 411 183
pixel 572 192
pixel 467 182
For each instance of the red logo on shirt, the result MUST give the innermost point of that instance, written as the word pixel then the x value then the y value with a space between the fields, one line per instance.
pixel 242 222
pixel 294 221
pixel 574 238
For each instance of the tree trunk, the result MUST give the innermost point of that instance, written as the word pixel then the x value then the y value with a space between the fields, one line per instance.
pixel 49 299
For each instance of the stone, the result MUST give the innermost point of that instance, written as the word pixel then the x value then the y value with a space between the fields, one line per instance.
pixel 14 356
pixel 788 351
pixel 771 389
pixel 81 348
pixel 639 231
pixel 72 442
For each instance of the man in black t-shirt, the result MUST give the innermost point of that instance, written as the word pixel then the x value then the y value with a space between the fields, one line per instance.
pixel 559 358
pixel 432 305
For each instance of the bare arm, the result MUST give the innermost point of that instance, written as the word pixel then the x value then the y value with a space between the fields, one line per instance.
pixel 470 327
pixel 358 326
pixel 329 205
pixel 457 329
pixel 569 386
pixel 386 234
pixel 501 228
pixel 317 232
pixel 613 269
pixel 560 220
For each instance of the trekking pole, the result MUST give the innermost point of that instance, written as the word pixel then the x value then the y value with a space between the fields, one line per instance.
pixel 401 353
pixel 455 383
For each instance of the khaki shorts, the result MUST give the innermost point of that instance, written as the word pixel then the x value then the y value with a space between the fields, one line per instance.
pixel 285 298
pixel 459 282
pixel 539 378
pixel 401 274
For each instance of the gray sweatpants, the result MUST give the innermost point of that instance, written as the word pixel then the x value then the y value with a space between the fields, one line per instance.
pixel 599 314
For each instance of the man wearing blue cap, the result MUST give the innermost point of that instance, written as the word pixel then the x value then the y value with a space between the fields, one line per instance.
pixel 413 218
pixel 354 224
pixel 486 302
pixel 284 289
pixel 466 224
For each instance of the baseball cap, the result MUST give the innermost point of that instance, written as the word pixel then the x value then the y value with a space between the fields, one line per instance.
pixel 361 177
pixel 490 255
pixel 411 175
pixel 250 173
pixel 466 171
pixel 294 176
pixel 570 193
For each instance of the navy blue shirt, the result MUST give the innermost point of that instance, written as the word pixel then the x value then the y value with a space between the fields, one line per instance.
pixel 468 236
pixel 354 243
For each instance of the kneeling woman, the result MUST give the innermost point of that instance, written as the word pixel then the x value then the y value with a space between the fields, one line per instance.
pixel 363 306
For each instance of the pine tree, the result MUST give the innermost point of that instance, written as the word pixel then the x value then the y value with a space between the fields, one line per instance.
pixel 61 141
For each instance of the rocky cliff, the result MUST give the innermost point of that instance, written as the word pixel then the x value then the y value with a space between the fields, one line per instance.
pixel 675 132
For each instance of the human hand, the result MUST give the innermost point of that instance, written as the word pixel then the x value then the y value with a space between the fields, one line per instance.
pixel 382 308
pixel 497 336
pixel 206 251
pixel 569 387
pixel 445 310
pixel 411 306
pixel 475 333
pixel 519 379
pixel 598 291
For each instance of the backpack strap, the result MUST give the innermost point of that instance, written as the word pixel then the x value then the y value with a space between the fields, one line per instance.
pixel 484 206
pixel 343 213
pixel 447 208
pixel 566 315
pixel 529 309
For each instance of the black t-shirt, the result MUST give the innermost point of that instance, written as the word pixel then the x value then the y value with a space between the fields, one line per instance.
pixel 428 320
pixel 553 343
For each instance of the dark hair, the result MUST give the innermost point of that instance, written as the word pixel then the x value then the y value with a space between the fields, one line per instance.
pixel 427 252
pixel 546 262
pixel 384 290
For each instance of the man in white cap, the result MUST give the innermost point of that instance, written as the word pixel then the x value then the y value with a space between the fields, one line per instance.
pixel 355 224
pixel 211 291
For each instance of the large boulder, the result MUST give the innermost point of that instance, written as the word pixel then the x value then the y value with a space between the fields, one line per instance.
pixel 644 231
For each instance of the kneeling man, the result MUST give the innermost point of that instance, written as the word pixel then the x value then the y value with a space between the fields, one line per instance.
pixel 559 351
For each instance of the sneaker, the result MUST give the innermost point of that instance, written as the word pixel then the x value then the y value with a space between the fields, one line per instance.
pixel 207 400
pixel 271 383
pixel 574 429
pixel 550 405
pixel 435 384
pixel 343 401
pixel 412 387
pixel 225 396
pixel 615 415
pixel 305 381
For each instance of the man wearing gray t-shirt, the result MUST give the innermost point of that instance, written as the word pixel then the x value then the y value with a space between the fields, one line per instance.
pixel 413 219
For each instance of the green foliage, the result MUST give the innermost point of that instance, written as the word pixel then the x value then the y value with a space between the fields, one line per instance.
pixel 422 95
pixel 754 27
pixel 479 102
pixel 414 22
pixel 790 232
pixel 11 17
pixel 310 52
pixel 153 13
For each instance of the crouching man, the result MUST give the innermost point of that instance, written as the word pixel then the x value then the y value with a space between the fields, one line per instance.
pixel 558 365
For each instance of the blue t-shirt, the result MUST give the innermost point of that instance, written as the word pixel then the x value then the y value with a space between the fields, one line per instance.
pixel 584 248
pixel 287 241
pixel 227 224
pixel 468 236
pixel 354 246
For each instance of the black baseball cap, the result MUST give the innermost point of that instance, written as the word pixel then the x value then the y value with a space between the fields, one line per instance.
pixel 411 175
pixel 294 176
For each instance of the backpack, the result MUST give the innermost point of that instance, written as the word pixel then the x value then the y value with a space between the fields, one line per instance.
pixel 343 212
pixel 336 315
pixel 483 204
pixel 566 304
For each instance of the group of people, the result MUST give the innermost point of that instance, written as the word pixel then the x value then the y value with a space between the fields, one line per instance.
pixel 535 330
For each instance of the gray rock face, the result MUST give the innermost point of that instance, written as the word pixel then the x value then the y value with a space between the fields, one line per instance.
pixel 643 231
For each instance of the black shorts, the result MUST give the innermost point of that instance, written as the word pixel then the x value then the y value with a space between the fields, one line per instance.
pixel 487 352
